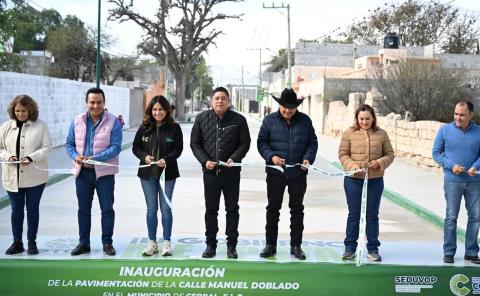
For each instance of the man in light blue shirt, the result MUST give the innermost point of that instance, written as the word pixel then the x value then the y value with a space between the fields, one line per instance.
pixel 457 150
pixel 95 135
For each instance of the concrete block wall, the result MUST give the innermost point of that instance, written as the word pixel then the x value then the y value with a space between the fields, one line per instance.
pixel 460 61
pixel 338 55
pixel 412 140
pixel 59 100
pixel 333 85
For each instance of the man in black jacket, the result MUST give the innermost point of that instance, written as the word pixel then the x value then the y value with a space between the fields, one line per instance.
pixel 220 135
pixel 286 138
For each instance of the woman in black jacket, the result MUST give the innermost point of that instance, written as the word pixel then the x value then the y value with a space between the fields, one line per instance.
pixel 159 139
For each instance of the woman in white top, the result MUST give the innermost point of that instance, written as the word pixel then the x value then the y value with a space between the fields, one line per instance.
pixel 24 138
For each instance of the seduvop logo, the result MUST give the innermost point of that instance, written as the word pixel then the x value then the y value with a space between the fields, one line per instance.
pixel 457 285
pixel 414 283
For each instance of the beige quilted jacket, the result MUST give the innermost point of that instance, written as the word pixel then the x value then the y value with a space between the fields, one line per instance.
pixel 35 142
pixel 361 146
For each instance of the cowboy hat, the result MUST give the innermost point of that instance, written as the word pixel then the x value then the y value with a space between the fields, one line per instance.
pixel 288 99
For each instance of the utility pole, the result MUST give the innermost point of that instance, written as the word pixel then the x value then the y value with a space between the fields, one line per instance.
pixel 97 72
pixel 289 63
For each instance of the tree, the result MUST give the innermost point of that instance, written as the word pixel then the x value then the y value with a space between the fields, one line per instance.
pixel 199 80
pixel 329 39
pixel 8 61
pixel 417 23
pixel 181 43
pixel 428 91
pixel 119 67
pixel 462 36
pixel 73 49
pixel 280 61
pixel 31 27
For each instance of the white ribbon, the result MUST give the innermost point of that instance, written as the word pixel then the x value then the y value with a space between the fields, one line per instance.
pixel 14 162
pixel 308 166
pixel 239 164
pixel 162 187
pixel 94 162
pixel 55 171
pixel 162 176
pixel 363 214
pixel 332 174
pixel 71 171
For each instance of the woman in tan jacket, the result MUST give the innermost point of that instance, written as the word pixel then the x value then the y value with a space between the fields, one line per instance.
pixel 364 146
pixel 24 138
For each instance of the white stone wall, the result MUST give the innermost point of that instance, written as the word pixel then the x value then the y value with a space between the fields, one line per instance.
pixel 412 140
pixel 338 55
pixel 59 100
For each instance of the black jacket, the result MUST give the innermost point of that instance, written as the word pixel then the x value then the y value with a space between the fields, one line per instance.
pixel 168 145
pixel 295 142
pixel 217 139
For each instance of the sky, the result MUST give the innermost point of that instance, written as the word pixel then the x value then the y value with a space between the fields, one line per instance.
pixel 258 28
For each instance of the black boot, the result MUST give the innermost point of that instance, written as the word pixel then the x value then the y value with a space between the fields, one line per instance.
pixel 109 250
pixel 232 252
pixel 80 249
pixel 210 251
pixel 32 248
pixel 297 252
pixel 268 251
pixel 15 248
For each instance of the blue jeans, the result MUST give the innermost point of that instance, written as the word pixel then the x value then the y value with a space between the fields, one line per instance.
pixel 86 184
pixel 30 197
pixel 453 196
pixel 353 191
pixel 154 196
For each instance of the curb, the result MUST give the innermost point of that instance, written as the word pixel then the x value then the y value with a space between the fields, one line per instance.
pixel 4 201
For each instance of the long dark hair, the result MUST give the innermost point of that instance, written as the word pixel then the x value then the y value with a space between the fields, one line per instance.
pixel 149 121
pixel 365 107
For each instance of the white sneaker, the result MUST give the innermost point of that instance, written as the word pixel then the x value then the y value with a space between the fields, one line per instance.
pixel 167 248
pixel 152 248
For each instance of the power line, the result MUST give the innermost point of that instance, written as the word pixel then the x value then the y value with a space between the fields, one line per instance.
pixel 289 63
pixel 25 3
pixel 36 4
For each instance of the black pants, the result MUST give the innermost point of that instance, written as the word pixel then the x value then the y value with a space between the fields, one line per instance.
pixel 214 186
pixel 296 191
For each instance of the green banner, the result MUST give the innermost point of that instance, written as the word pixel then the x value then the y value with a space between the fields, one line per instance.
pixel 228 277
pixel 260 94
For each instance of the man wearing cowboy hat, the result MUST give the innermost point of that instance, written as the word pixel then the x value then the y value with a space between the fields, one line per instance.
pixel 286 138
